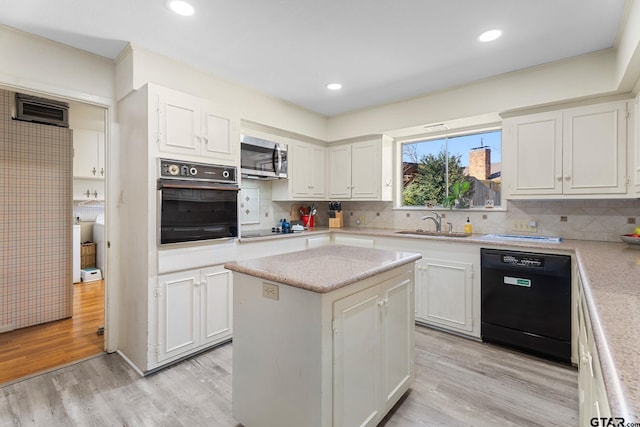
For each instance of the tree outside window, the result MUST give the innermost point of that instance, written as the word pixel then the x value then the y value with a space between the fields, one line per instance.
pixel 454 172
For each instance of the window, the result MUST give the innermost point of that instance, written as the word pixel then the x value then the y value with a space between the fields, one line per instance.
pixel 461 171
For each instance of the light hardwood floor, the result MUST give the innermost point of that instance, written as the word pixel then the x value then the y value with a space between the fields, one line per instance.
pixel 39 348
pixel 458 383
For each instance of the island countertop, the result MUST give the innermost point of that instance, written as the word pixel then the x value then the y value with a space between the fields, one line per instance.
pixel 324 269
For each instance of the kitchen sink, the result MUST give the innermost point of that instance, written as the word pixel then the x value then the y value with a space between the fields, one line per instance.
pixel 433 233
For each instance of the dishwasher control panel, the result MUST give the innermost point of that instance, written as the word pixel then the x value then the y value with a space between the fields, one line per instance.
pixel 522 260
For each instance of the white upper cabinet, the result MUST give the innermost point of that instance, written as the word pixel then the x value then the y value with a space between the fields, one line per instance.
pixel 340 172
pixel 578 151
pixel 595 149
pixel 361 170
pixel 88 154
pixel 195 129
pixel 306 171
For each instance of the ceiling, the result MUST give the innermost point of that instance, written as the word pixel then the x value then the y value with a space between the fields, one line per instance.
pixel 380 50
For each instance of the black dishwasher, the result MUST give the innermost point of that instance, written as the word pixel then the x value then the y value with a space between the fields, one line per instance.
pixel 526 302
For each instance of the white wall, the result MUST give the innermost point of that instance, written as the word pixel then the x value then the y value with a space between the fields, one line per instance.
pixel 628 58
pixel 32 62
pixel 584 76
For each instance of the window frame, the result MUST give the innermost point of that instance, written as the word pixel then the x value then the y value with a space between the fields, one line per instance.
pixel 445 133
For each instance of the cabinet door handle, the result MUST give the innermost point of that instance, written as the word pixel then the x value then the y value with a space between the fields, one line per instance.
pixel 567 178
pixel 88 194
pixel 95 194
pixel 93 171
pixel 102 171
pixel 559 178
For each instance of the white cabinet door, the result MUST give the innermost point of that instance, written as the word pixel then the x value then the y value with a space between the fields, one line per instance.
pixel 306 173
pixel 446 294
pixel 216 292
pixel 340 172
pixel 356 358
pixel 398 339
pixel 86 189
pixel 220 136
pixel 177 314
pixel 178 123
pixel 88 154
pixel 532 150
pixel 365 170
pixel 361 242
pixel 595 149
pixel 102 155
pixel 373 350
pixel 301 168
pixel 636 145
pixel 318 172
pixel 592 395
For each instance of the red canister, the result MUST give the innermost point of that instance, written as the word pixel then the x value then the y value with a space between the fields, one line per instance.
pixel 307 220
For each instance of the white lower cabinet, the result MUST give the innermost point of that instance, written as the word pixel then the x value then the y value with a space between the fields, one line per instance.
pixel 592 395
pixel 341 358
pixel 359 241
pixel 374 322
pixel 447 283
pixel 194 311
pixel 446 294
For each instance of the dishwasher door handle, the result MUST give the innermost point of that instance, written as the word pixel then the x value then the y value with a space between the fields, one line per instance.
pixel 517 281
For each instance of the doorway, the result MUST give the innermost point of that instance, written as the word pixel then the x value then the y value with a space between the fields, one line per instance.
pixel 35 349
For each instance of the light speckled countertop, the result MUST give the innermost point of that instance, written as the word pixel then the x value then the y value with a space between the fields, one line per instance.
pixel 611 281
pixel 324 269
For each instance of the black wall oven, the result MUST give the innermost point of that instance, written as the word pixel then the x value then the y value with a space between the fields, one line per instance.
pixel 197 202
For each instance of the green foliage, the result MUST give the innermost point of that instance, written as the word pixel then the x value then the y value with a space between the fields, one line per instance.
pixel 458 190
pixel 429 182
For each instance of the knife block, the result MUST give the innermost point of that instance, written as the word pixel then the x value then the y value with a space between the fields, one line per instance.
pixel 337 221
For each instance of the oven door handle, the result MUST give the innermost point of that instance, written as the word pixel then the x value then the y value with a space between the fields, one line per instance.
pixel 197 186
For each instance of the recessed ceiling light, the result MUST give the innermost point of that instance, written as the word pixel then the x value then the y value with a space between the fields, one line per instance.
pixel 181 7
pixel 490 35
pixel 333 86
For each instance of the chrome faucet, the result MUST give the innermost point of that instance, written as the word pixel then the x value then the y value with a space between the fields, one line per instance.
pixel 437 220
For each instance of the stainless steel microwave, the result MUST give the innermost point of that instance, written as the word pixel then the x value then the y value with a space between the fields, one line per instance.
pixel 262 159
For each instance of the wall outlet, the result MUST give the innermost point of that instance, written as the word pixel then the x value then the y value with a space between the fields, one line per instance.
pixel 270 291
pixel 525 226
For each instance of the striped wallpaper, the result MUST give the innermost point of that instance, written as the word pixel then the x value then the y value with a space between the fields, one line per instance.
pixel 36 208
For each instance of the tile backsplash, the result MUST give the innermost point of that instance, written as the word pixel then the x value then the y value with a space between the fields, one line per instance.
pixel 602 220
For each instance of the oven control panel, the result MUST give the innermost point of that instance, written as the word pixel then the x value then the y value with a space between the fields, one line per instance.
pixel 178 169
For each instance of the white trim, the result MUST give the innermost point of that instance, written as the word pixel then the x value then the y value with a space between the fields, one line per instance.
pixel 16 83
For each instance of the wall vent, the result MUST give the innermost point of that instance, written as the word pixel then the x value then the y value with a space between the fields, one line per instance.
pixel 41 110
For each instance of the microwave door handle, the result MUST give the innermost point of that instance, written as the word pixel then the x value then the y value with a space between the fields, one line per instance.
pixel 277 154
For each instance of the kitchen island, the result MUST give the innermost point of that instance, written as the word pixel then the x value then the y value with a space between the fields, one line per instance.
pixel 323 336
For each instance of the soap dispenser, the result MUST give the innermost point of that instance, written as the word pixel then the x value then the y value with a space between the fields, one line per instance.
pixel 468 228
